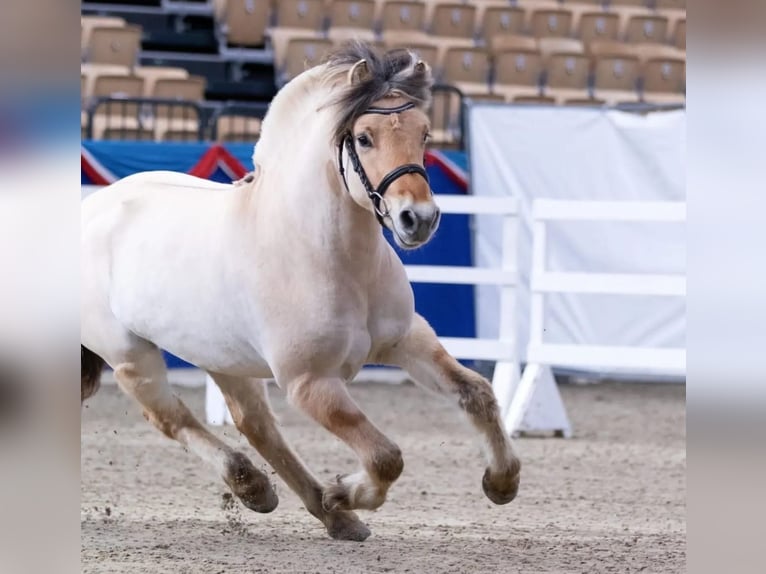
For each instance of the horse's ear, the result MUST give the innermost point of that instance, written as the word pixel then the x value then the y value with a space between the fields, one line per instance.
pixel 421 68
pixel 358 72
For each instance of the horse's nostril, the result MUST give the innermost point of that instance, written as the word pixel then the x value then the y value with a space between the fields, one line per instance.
pixel 407 217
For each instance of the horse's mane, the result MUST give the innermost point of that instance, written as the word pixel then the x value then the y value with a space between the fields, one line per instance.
pixel 388 74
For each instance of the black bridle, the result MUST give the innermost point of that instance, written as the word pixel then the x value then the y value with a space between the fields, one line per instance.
pixel 376 195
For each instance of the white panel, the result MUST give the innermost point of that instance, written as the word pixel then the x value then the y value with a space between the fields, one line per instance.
pixel 481 349
pixel 668 211
pixel 605 357
pixel 618 284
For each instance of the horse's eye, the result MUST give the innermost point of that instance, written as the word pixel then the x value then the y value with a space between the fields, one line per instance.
pixel 426 137
pixel 364 140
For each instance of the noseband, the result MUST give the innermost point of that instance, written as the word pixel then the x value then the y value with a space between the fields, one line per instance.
pixel 376 195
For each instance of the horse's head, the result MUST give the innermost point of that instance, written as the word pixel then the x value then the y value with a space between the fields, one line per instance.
pixel 381 136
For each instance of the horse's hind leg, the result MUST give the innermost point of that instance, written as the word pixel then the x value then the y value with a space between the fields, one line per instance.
pixel 424 358
pixel 142 375
pixel 248 402
pixel 327 401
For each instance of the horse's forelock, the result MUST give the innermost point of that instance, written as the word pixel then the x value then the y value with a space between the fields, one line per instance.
pixel 394 73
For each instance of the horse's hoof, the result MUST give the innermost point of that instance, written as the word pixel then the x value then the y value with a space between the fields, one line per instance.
pixel 501 488
pixel 263 502
pixel 250 485
pixel 346 526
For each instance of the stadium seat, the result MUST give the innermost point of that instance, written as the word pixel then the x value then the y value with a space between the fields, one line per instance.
pixel 664 80
pixel 513 42
pixel 566 74
pixel 151 74
pixel 302 54
pixel 174 123
pixel 243 22
pixel 534 99
pixel 679 34
pixel 399 15
pixel 647 28
pixel 445 119
pixel 646 52
pixel 468 69
pixel 550 46
pixel 551 22
pixel 339 36
pixel 584 102
pixel 109 45
pixel 500 21
pixel 633 3
pixel 359 14
pixel 517 69
pixel 300 14
pixel 89 72
pixel 612 48
pixel 616 78
pixel 121 116
pixel 453 20
pixel 239 129
pixel 485 98
pixel 594 26
pixel 670 4
pixel 87 24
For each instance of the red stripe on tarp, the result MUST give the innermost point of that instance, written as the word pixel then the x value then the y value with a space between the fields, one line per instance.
pixel 214 156
pixel 455 176
pixel 93 174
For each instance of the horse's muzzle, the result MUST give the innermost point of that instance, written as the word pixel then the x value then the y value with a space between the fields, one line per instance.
pixel 416 223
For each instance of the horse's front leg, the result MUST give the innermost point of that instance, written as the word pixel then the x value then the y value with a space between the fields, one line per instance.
pixel 327 401
pixel 429 364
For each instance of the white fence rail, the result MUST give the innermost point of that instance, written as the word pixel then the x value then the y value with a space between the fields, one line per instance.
pixel 503 349
pixel 542 355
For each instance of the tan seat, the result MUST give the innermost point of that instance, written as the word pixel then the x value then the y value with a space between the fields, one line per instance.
pixel 453 20
pixel 549 46
pixel 398 15
pixel 501 21
pixel 118 46
pixel 612 48
pixel 616 78
pixel 301 14
pixel 634 3
pixel 679 34
pixel 486 98
pixel 302 54
pixel 551 22
pixel 359 14
pixel 87 23
pixel 670 4
pixel 243 22
pixel 646 52
pixel 518 70
pixel 151 74
pixel 513 42
pixel 339 36
pixel 237 128
pixel 595 26
pixel 647 28
pixel 280 39
pixel 664 80
pixel 468 69
pixel 584 102
pixel 178 122
pixel 567 75
pixel 118 114
pixel 532 99
pixel 445 119
pixel 89 72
